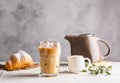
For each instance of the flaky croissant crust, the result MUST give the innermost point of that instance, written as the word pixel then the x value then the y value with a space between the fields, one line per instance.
pixel 18 61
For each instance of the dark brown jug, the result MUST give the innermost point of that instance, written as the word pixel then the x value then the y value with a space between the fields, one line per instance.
pixel 87 46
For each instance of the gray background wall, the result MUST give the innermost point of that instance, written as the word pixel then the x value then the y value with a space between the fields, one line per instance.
pixel 23 23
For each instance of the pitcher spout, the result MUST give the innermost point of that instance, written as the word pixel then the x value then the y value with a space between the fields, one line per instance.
pixel 70 37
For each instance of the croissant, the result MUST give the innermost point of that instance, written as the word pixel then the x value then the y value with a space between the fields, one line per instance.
pixel 19 60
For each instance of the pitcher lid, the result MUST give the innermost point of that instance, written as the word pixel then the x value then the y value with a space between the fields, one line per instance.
pixel 89 34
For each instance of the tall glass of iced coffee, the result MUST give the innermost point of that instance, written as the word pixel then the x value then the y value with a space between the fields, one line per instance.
pixel 50 52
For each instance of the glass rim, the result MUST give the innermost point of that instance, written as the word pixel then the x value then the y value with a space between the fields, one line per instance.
pixel 50 42
pixel 58 44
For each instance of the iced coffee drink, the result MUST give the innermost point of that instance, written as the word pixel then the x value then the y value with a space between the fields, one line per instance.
pixel 49 58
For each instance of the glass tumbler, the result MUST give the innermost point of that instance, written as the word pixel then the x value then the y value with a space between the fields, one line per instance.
pixel 50 52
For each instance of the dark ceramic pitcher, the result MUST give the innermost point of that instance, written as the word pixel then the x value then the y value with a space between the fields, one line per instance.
pixel 87 45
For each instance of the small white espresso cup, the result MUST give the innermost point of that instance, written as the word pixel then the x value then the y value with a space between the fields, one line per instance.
pixel 76 63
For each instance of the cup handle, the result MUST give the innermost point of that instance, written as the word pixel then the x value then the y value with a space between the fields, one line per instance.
pixel 100 40
pixel 89 62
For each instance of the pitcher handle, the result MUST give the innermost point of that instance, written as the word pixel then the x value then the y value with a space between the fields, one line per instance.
pixel 106 45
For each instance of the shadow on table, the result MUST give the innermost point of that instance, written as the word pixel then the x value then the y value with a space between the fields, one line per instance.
pixel 66 72
pixel 21 75
pixel 26 75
